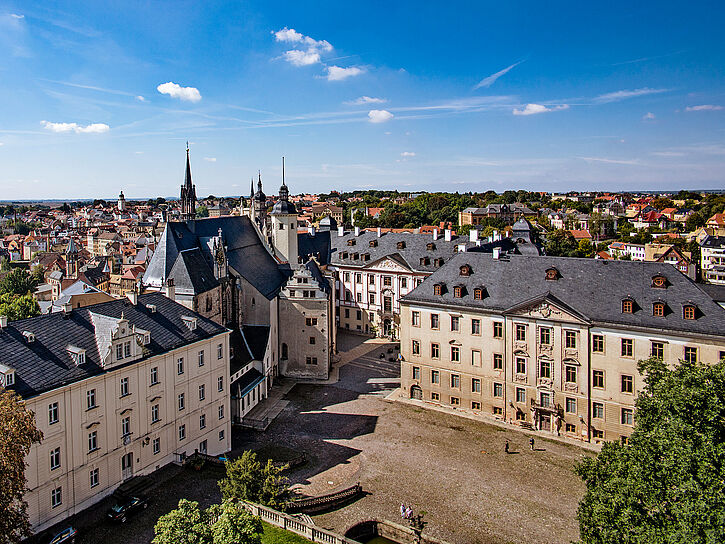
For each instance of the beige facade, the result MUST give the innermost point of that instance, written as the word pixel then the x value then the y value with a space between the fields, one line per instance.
pixel 127 421
pixel 539 366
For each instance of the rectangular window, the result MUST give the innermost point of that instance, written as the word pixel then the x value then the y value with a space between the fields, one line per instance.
pixel 497 361
pixel 415 319
pixel 55 459
pixel 570 374
pixel 570 339
pixel 497 410
pixel 52 413
pixel 520 365
pixel 455 401
pixel 202 392
pixel 387 281
pixel 415 348
pixel 545 399
pixel 434 321
pixel 93 477
pixel 476 327
pixel 127 349
pixel 182 432
pixel 598 379
pixel 690 355
pixel 627 384
pixel 475 405
pixel 311 360
pixel 180 366
pixel 475 357
pixel 157 446
pixel 435 377
pixel 403 283
pixel 627 347
pixel 202 421
pixel 92 441
pixel 221 435
pixel 627 416
pixel 371 279
pixel 155 413
pixel 497 389
pixel 544 369
pixel 220 351
pixel 455 354
pixel 181 402
pixel 597 433
pixel 56 497
pixel 435 396
pixel 658 350
pixel 521 395
pixel 435 351
pixel 119 352
pixel 124 387
pixel 545 336
pixel 455 381
pixel 221 412
pixel 201 358
pixel 520 333
pixel 358 277
pixel 416 373
pixel 125 426
pixel 455 323
pixel 571 405
pixel 312 340
pixel 475 385
pixel 90 399
pixel 570 428
pixel 220 383
pixel 597 410
pixel 598 343
pixel 497 329
pixel 154 375
pixel 371 298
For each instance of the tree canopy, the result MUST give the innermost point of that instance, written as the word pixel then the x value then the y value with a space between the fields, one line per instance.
pixel 667 484
pixel 17 434
pixel 16 294
pixel 248 479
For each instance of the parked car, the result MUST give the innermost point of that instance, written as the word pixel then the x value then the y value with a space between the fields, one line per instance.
pixel 127 506
pixel 66 536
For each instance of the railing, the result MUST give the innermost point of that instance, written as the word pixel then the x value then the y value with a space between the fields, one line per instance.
pixel 294 525
pixel 323 502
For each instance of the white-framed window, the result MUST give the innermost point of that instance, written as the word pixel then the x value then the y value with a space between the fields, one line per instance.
pixel 201 358
pixel 94 477
pixel 119 352
pixel 182 402
pixel 180 366
pixel 202 421
pixel 127 349
pixel 202 392
pixel 54 458
pixel 221 434
pixel 90 399
pixel 124 387
pixel 92 441
pixel 182 432
pixel 53 413
pixel 157 445
pixel 154 375
pixel 56 497
pixel 220 383
pixel 126 426
pixel 155 413
pixel 220 351
pixel 221 411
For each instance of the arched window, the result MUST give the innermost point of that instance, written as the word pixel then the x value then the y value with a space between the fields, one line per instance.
pixel 284 351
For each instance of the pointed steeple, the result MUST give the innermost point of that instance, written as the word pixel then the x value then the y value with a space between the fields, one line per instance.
pixel 187 178
pixel 251 189
pixel 188 192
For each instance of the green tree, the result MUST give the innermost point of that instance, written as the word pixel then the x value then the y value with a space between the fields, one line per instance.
pixel 234 525
pixel 585 249
pixel 202 211
pixel 18 307
pixel 17 434
pixel 247 479
pixel 19 282
pixel 561 243
pixel 667 484
pixel 187 524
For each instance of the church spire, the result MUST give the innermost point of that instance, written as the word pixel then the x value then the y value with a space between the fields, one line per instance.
pixel 188 192
pixel 187 178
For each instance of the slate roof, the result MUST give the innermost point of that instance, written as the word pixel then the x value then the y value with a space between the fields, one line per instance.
pixel 192 274
pixel 713 241
pixel 251 348
pixel 45 364
pixel 245 384
pixel 317 246
pixel 246 253
pixel 593 288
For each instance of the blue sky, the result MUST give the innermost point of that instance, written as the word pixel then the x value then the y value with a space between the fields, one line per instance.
pixel 98 97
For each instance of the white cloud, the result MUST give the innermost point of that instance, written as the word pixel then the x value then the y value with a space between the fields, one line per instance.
pixel 138 152
pixel 703 107
pixel 301 58
pixel 93 128
pixel 174 90
pixel 408 154
pixel 379 116
pixel 290 35
pixel 210 159
pixel 490 80
pixel 623 95
pixel 16 16
pixel 366 100
pixel 337 73
pixel 140 98
pixel 609 161
pixel 649 116
pixel 2 144
pixel 532 109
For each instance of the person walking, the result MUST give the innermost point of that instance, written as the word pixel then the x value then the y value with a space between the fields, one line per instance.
pixel 531 443
pixel 506 447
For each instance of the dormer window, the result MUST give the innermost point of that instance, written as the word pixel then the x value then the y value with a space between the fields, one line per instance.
pixel 458 291
pixel 658 309
pixel 190 322
pixel 355 256
pixel 478 293
pixel 430 246
pixel 373 243
pixel 627 306
pixel 366 256
pixel 7 375
pixel 344 254
pixel 77 354
pixel 29 337
pixel 351 242
pixel 466 270
pixel 689 311
pixel 659 282
pixel 401 245
pixel 552 273
pixel 424 261
pixel 438 289
pixel 439 261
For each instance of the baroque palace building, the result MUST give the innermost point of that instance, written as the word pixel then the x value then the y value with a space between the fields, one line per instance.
pixel 118 389
pixel 551 343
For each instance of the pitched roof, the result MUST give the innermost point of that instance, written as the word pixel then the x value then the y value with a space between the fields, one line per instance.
pixel 317 246
pixel 46 364
pixel 592 287
pixel 191 273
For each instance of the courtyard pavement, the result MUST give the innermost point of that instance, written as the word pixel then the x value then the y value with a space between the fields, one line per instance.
pixel 454 468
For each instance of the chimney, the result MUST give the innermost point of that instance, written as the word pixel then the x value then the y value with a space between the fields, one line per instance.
pixel 435 234
pixel 3 321
pixel 447 234
pixel 132 295
pixel 357 231
pixel 495 236
pixel 380 232
pixel 461 248
pixel 473 235
pixel 67 308
pixel 341 231
pixel 497 253
pixel 170 289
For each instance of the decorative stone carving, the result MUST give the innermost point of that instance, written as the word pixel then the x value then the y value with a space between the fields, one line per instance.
pixel 544 310
pixel 571 387
pixel 520 378
pixel 571 353
pixel 387 264
pixel 546 350
pixel 544 382
pixel 523 346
